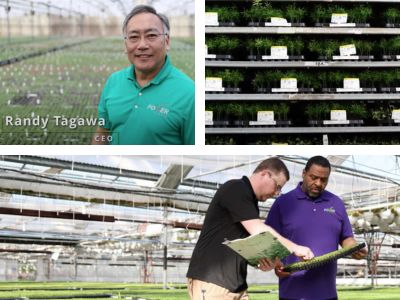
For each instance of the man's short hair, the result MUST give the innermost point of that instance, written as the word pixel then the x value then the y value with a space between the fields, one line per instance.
pixel 146 9
pixel 275 165
pixel 319 161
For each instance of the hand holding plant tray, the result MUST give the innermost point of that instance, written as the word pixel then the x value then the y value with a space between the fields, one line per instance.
pixel 257 247
pixel 323 259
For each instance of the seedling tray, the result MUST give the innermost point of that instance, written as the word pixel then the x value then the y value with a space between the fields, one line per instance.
pixel 287 91
pixel 323 259
pixel 279 123
pixel 219 57
pixel 390 90
pixel 349 25
pixel 392 25
pixel 219 123
pixel 334 91
pixel 350 123
pixel 391 57
pixel 293 57
pixel 262 24
pixel 355 58
pixel 259 58
pixel 226 91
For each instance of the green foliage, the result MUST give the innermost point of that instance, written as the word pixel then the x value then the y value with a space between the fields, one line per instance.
pixel 222 44
pixel 230 77
pixel 392 15
pixel 225 14
pixel 294 13
pixel 360 14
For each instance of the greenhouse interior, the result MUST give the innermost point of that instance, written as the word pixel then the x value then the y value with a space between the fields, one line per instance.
pixel 123 220
pixel 56 55
pixel 302 72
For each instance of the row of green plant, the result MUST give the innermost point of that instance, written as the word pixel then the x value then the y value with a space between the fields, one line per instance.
pixel 308 79
pixel 262 11
pixel 243 111
pixel 222 44
pixel 313 111
pixel 230 78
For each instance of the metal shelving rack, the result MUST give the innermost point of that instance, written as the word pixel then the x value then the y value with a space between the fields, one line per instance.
pixel 303 65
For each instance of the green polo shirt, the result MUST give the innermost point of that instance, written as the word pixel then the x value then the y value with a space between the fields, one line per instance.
pixel 160 113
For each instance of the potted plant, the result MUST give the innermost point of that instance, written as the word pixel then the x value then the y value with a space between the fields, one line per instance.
pixel 392 16
pixel 295 15
pixel 357 112
pixel 382 115
pixel 281 112
pixel 255 14
pixel 231 78
pixel 321 15
pixel 360 15
pixel 237 112
pixel 222 46
pixel 316 112
pixel 220 117
pixel 227 16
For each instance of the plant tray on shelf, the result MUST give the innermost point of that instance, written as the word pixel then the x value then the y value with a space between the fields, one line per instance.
pixel 353 57
pixel 268 24
pixel 391 57
pixel 297 90
pixel 290 57
pixel 351 91
pixel 388 122
pixel 227 90
pixel 219 123
pixel 277 123
pixel 343 123
pixel 219 57
pixel 323 259
pixel 226 24
pixel 240 123
pixel 262 58
pixel 390 90
pixel 345 25
pixel 392 25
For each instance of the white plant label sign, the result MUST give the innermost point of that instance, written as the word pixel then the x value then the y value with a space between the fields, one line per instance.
pixel 211 19
pixel 288 83
pixel 396 114
pixel 278 21
pixel 338 115
pixel 279 51
pixel 209 117
pixel 214 84
pixel 339 19
pixel 265 116
pixel 206 49
pixel 347 50
pixel 351 83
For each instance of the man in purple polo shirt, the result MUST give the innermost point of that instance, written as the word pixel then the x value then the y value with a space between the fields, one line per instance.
pixel 311 216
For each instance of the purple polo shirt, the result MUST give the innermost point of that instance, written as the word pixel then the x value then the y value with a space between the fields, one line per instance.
pixel 320 224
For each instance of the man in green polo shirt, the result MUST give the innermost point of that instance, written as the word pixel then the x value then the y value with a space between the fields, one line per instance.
pixel 151 102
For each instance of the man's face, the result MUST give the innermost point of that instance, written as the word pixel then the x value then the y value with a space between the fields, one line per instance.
pixel 271 184
pixel 315 180
pixel 146 44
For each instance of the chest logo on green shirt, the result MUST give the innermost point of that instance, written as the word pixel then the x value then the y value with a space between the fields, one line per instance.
pixel 330 210
pixel 158 109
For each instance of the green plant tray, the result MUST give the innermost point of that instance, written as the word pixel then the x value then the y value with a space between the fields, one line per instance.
pixel 323 259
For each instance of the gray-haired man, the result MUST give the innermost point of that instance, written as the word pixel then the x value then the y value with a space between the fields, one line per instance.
pixel 151 102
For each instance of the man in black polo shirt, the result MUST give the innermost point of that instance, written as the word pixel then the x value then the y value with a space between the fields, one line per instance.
pixel 217 272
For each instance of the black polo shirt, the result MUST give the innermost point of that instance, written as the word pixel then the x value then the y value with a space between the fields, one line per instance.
pixel 212 261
